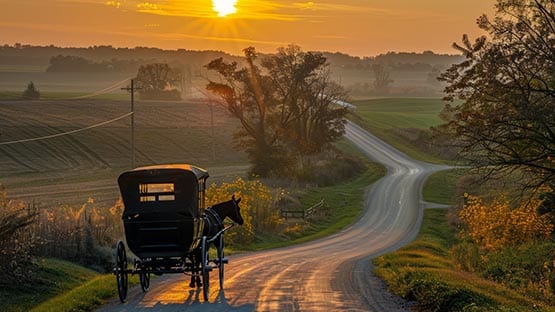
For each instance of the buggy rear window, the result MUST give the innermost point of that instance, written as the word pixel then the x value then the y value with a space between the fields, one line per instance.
pixel 154 192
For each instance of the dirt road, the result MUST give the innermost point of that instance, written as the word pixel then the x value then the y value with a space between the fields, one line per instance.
pixel 331 274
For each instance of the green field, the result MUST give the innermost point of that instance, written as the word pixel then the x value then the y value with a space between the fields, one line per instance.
pixel 399 120
pixel 419 113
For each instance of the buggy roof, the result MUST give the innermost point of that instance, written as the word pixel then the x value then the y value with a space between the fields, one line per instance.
pixel 185 184
pixel 197 171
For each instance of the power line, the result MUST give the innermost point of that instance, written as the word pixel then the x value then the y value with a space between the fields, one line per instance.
pixel 102 91
pixel 68 132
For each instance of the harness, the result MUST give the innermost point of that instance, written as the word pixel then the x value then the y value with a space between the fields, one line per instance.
pixel 216 217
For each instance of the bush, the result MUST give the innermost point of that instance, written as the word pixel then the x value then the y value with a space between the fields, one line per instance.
pixel 31 93
pixel 327 168
pixel 495 225
pixel 16 241
pixel 82 234
pixel 258 208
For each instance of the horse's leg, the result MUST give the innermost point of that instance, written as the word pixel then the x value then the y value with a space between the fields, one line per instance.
pixel 193 271
pixel 197 271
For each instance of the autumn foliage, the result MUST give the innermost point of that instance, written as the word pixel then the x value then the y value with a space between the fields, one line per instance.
pixel 495 225
pixel 16 242
pixel 257 208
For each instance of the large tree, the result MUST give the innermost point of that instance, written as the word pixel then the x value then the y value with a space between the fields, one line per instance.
pixel 285 102
pixel 158 81
pixel 504 121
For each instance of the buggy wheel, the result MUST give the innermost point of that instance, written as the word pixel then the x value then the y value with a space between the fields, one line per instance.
pixel 144 278
pixel 144 275
pixel 121 271
pixel 221 261
pixel 205 269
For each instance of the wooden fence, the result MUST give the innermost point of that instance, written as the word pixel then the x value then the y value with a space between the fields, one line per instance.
pixel 302 214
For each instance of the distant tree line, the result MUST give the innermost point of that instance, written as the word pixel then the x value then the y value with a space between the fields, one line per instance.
pixel 69 63
pixel 41 55
pixel 20 54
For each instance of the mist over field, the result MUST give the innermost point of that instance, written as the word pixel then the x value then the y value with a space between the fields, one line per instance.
pixel 81 87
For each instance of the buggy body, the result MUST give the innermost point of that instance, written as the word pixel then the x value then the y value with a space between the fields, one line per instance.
pixel 164 205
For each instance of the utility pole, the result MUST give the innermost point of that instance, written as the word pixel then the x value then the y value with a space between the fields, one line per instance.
pixel 132 91
pixel 211 105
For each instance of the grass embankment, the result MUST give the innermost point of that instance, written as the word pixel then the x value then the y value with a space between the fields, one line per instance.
pixel 398 121
pixel 51 278
pixel 58 286
pixel 424 271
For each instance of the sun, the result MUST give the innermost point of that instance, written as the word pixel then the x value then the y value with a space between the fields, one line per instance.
pixel 224 7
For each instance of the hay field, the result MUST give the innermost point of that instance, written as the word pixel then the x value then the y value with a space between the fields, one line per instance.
pixel 69 169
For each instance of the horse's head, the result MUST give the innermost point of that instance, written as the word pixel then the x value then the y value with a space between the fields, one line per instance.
pixel 235 214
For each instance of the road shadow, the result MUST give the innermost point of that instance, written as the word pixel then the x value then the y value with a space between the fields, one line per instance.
pixel 194 301
pixel 191 301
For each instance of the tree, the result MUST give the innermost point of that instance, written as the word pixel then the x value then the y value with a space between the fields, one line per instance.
pixel 505 123
pixel 158 81
pixel 382 79
pixel 307 99
pixel 285 102
pixel 31 93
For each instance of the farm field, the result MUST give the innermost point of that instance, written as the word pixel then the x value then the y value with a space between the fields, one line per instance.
pixel 69 169
pixel 398 121
pixel 389 113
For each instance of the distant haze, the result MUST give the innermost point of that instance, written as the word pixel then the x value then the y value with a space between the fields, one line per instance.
pixel 355 27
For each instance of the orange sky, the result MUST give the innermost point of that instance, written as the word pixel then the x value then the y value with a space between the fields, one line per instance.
pixel 356 27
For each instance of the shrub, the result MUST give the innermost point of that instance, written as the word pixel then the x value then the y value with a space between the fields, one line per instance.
pixel 497 225
pixel 80 233
pixel 16 241
pixel 327 168
pixel 258 208
pixel 31 93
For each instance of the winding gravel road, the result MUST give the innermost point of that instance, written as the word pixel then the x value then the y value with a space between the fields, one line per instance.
pixel 330 274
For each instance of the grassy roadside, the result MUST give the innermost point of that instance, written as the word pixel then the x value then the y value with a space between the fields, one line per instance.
pixel 58 286
pixel 85 297
pixel 423 271
pixel 51 278
pixel 342 206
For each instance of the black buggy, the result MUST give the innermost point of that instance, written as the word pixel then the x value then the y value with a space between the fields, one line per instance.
pixel 168 228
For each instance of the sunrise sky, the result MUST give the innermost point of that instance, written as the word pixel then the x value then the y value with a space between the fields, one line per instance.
pixel 356 27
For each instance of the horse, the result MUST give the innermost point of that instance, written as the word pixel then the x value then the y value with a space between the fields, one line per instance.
pixel 213 224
